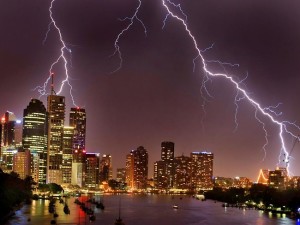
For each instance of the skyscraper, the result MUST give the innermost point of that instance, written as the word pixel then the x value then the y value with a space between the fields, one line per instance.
pixel 78 121
pixel 167 156
pixel 78 167
pixel 129 170
pixel 8 122
pixel 202 170
pixel 137 167
pixel 182 178
pixel 56 117
pixel 92 170
pixel 34 138
pixel 106 168
pixel 67 157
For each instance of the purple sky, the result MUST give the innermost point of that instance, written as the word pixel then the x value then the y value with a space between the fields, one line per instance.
pixel 156 95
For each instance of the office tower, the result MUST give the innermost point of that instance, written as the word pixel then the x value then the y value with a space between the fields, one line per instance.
pixel 78 167
pixel 106 168
pixel 201 170
pixel 137 168
pixel 18 133
pixel 78 121
pixel 167 156
pixel 129 167
pixel 92 170
pixel 121 174
pixel 34 138
pixel 67 156
pixel 8 122
pixel 56 117
pixel 182 178
pixel 22 163
pixel 159 176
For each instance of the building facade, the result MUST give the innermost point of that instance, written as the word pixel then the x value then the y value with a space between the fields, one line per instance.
pixel 22 163
pixel 202 170
pixel 56 118
pixel 140 168
pixel 182 178
pixel 92 170
pixel 34 138
pixel 67 158
pixel 78 121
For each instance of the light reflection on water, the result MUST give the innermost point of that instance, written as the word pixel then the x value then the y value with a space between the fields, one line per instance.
pixel 148 210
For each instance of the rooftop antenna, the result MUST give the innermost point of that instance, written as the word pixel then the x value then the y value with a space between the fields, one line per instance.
pixel 52 84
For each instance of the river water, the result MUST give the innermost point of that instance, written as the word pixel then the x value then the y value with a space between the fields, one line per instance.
pixel 147 210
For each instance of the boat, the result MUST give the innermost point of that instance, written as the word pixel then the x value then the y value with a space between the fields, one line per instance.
pixel 66 209
pixel 100 205
pixel 92 218
pixel 119 221
pixel 175 206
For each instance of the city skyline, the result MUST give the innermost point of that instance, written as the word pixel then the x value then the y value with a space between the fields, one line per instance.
pixel 156 95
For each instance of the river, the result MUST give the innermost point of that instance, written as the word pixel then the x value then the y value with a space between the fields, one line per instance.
pixel 147 210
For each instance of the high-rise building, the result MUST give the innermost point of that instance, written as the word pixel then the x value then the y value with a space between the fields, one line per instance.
pixel 78 121
pixel 167 156
pixel 202 170
pixel 67 157
pixel 137 166
pixel 8 122
pixel 18 133
pixel 22 163
pixel 129 170
pixel 34 138
pixel 159 176
pixel 121 175
pixel 92 170
pixel 56 118
pixel 106 168
pixel 182 178
pixel 78 167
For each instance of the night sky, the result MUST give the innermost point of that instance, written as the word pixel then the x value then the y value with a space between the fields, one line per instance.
pixel 156 95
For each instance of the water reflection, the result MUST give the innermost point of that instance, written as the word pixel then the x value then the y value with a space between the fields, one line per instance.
pixel 147 210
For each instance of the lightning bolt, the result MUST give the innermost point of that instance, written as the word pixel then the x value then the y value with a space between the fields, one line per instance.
pixel 266 112
pixel 131 20
pixel 65 54
pixel 241 93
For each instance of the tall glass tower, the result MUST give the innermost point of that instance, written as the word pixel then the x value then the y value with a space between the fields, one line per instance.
pixel 34 138
pixel 78 121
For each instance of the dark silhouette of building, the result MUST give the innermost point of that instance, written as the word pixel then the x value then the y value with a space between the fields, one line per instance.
pixel 34 138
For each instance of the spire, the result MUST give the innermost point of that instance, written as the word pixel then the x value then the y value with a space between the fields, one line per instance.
pixel 52 84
